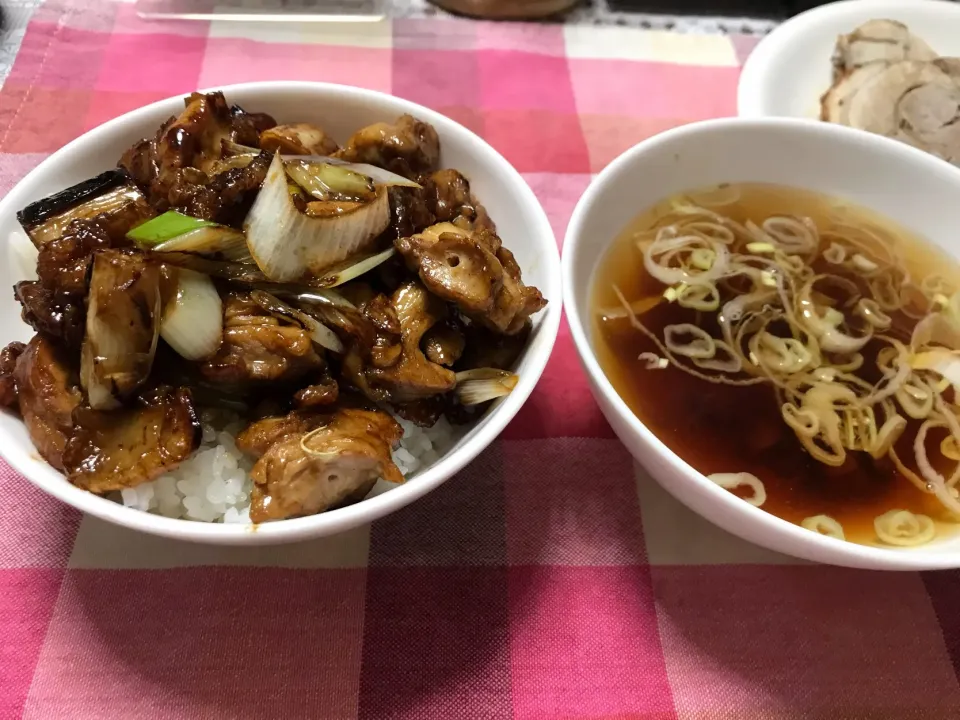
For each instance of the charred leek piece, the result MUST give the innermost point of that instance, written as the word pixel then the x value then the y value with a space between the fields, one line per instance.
pixel 334 277
pixel 311 296
pixel 286 244
pixel 111 194
pixel 218 240
pixel 484 384
pixel 192 322
pixel 175 232
pixel 166 227
pixel 319 333
pixel 123 326
pixel 246 274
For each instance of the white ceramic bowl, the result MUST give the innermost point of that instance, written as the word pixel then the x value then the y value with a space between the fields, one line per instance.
pixel 340 110
pixel 903 183
pixel 790 69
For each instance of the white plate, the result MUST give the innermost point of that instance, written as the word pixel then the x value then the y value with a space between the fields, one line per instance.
pixel 790 69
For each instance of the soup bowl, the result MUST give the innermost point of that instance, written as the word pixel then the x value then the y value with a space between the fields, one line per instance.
pixel 340 110
pixel 916 190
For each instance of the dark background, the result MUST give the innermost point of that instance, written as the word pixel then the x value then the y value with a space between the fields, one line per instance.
pixel 774 9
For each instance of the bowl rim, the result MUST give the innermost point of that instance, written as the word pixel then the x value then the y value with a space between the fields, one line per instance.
pixel 822 549
pixel 756 73
pixel 373 508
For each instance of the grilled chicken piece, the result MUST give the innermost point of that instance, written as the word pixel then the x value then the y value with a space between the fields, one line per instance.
pixel 443 344
pixel 235 190
pixel 515 302
pixel 194 139
pixel 475 272
pixel 8 383
pixel 258 348
pixel 408 147
pixel 386 349
pixel 122 326
pixel 177 166
pixel 319 394
pixel 413 376
pixel 54 305
pixel 339 461
pixel 448 197
pixel 457 268
pixel 298 139
pixel 63 264
pixel 49 392
pixel 225 197
pixel 125 448
pixel 54 315
pixel 488 349
pixel 409 212
pixel 184 148
pixel 260 436
pixel 245 128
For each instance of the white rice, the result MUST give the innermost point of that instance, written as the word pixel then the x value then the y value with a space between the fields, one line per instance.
pixel 214 485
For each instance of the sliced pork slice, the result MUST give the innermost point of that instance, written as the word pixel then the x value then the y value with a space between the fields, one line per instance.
pixel 835 103
pixel 918 103
pixel 878 41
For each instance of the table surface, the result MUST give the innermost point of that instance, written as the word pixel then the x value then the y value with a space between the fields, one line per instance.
pixel 599 13
pixel 552 578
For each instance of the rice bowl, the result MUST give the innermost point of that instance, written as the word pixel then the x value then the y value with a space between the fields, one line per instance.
pixel 426 459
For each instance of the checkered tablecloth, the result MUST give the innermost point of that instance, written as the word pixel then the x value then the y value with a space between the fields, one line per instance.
pixel 551 579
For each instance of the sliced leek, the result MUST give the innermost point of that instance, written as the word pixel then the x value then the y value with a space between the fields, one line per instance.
pixel 192 322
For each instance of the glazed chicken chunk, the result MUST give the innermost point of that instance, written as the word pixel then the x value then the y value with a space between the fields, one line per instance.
pixel 49 392
pixel 305 472
pixel 408 147
pixel 413 376
pixel 181 166
pixel 449 199
pixel 8 366
pixel 100 451
pixel 475 272
pixel 54 304
pixel 257 347
pixel 124 448
pixel 298 139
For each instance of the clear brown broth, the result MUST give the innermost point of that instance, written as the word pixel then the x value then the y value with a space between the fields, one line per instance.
pixel 719 428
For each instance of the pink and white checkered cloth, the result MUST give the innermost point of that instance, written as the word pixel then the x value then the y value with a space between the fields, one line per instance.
pixel 551 579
